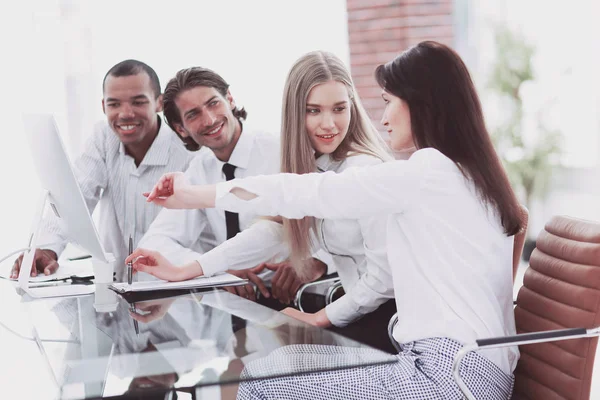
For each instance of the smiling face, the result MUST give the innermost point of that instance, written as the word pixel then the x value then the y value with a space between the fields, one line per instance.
pixel 208 119
pixel 396 119
pixel 327 116
pixel 130 106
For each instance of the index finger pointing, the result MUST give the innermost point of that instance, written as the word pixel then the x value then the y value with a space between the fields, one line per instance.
pixel 152 195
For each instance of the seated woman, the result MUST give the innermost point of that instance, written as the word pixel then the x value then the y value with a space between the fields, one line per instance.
pixel 451 217
pixel 324 128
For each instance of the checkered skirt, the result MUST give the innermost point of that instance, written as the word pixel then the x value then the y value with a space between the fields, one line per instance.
pixel 423 371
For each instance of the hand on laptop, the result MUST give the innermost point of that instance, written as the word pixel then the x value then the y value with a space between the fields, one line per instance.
pixel 44 262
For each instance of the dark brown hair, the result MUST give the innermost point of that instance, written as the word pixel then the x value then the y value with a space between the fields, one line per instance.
pixel 446 115
pixel 187 79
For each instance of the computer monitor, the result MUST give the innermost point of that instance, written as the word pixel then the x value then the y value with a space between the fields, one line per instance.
pixel 60 188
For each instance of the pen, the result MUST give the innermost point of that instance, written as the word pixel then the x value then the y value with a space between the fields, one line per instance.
pixel 79 258
pixel 135 323
pixel 129 279
pixel 59 283
pixel 129 264
pixel 72 278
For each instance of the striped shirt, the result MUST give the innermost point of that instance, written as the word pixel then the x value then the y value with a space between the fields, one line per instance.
pixel 108 177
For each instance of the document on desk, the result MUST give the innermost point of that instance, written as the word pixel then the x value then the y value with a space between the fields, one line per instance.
pixel 220 280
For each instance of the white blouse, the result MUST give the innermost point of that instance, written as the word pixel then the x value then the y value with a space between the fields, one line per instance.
pixel 357 247
pixel 450 259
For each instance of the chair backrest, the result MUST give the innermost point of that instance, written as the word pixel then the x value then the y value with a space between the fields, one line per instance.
pixel 561 289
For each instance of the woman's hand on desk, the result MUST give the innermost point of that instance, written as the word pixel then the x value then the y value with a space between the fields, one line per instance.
pixel 155 264
pixel 317 319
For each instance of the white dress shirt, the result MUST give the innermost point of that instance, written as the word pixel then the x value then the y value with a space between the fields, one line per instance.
pixel 450 259
pixel 357 247
pixel 184 235
pixel 109 177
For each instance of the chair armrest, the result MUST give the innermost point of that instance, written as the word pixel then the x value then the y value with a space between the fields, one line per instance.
pixel 530 338
pixel 391 325
pixel 515 340
pixel 330 278
pixel 330 297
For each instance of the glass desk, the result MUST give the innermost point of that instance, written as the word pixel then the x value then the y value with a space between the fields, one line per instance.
pixel 87 346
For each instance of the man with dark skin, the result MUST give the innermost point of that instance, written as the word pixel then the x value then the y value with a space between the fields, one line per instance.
pixel 129 150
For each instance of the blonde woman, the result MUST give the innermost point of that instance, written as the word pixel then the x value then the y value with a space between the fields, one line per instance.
pixel 324 128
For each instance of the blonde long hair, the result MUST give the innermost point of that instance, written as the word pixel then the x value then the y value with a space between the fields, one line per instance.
pixel 297 153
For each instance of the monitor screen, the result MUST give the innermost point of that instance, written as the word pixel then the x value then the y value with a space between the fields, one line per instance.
pixel 56 175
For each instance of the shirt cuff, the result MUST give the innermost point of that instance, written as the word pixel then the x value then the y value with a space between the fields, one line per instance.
pixel 342 311
pixel 223 189
pixel 213 261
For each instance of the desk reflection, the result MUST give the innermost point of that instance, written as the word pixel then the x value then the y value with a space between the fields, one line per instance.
pixel 186 340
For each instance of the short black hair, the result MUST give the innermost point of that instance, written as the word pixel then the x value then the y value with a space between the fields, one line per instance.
pixel 134 67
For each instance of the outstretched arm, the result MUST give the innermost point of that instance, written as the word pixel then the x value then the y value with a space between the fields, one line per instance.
pixel 174 191
pixel 355 193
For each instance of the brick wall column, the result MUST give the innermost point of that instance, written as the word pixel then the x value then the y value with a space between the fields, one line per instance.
pixel 379 30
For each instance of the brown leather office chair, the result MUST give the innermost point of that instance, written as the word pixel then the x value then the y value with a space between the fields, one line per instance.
pixel 559 301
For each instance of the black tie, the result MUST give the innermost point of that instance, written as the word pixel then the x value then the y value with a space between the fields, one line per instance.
pixel 232 220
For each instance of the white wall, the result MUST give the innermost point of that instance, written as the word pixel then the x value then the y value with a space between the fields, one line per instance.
pixel 565 64
pixel 56 52
pixel 252 44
